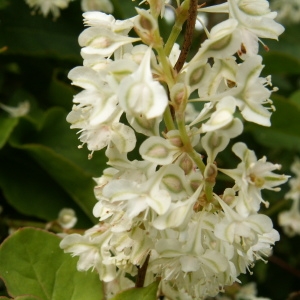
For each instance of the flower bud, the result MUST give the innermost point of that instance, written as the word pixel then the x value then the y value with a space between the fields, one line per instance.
pixel 229 196
pixel 179 94
pixel 174 138
pixel 185 163
pixel 196 73
pixel 67 218
pixel 145 26
pixel 158 150
pixel 210 173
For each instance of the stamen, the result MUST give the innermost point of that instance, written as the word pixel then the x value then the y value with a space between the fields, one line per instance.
pixel 264 45
pixel 204 27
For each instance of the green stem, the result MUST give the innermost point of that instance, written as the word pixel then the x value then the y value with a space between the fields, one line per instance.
pixel 181 16
pixel 210 180
pixel 210 175
pixel 168 119
pixel 187 142
pixel 50 226
pixel 208 189
pixel 168 73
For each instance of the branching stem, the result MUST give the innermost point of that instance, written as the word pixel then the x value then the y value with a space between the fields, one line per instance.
pixel 188 35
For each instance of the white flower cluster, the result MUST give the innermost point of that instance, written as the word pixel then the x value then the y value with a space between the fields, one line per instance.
pixel 46 7
pixel 290 219
pixel 288 11
pixel 161 213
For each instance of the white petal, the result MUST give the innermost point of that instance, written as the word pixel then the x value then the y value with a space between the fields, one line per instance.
pixel 123 137
pixel 158 150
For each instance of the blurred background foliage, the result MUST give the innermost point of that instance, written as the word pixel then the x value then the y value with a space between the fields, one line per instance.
pixel 41 169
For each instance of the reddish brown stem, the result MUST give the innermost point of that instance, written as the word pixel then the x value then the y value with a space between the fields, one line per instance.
pixel 188 35
pixel 282 264
pixel 140 279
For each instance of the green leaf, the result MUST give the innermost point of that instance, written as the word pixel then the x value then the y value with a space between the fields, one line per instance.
pixel 34 35
pixel 124 9
pixel 36 194
pixel 288 42
pixel 31 263
pixel 281 63
pixel 146 293
pixel 7 125
pixel 3 4
pixel 54 148
pixel 284 132
pixel 35 114
pixel 60 93
pixel 295 98
pixel 55 134
pixel 78 184
pixel 27 297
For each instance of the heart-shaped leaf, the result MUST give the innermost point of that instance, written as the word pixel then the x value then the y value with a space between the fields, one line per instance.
pixel 31 263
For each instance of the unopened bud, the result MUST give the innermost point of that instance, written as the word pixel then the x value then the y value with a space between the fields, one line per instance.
pixel 174 138
pixel 186 163
pixel 67 218
pixel 210 173
pixel 145 26
pixel 195 74
pixel 229 196
pixel 173 183
pixel 179 94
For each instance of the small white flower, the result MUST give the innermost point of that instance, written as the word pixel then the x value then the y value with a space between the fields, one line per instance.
pixel 21 110
pixel 289 220
pixel 140 94
pixel 92 248
pixel 251 93
pixel 48 6
pixel 248 292
pixel 137 197
pixel 251 176
pixel 222 116
pixel 100 19
pixel 288 11
pixel 67 218
pixel 254 20
pixel 102 41
pixel 294 182
pixel 223 41
pixel 256 17
pixel 164 151
pixel 178 213
pixel 239 230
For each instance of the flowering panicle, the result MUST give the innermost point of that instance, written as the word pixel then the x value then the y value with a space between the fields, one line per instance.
pixel 162 212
